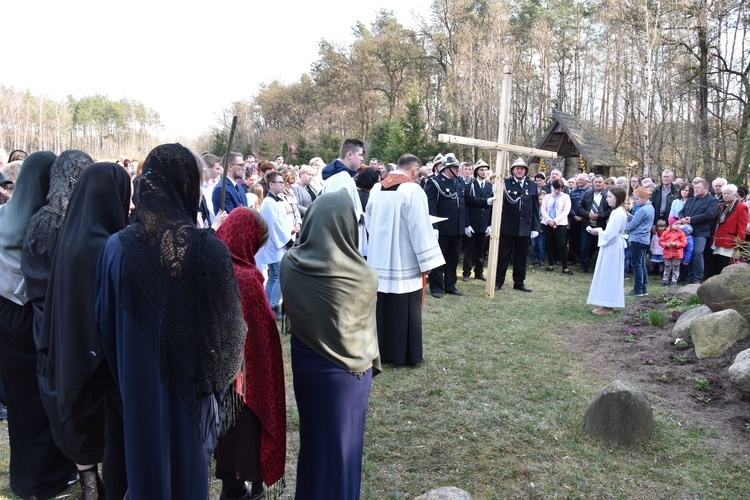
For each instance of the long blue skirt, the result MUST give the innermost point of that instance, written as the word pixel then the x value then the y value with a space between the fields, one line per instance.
pixel 332 406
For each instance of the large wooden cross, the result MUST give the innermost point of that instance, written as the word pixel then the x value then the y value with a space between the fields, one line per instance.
pixel 501 147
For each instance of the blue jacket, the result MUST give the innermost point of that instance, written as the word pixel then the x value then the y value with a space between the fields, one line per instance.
pixel 234 196
pixel 640 224
pixel 334 168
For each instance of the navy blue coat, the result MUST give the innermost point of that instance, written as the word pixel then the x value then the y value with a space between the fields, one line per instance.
pixel 233 197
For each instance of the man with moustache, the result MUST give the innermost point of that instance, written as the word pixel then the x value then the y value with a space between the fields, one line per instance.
pixel 520 223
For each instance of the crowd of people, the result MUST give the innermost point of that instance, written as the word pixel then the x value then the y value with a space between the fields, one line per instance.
pixel 141 302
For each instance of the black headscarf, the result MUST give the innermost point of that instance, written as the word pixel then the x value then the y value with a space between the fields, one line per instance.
pixel 70 341
pixel 185 274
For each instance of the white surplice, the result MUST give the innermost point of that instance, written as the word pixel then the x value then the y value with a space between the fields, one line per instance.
pixel 403 244
pixel 608 285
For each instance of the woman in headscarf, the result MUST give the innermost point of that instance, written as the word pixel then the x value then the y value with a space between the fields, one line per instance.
pixel 254 448
pixel 37 467
pixel 329 297
pixel 170 318
pixel 72 365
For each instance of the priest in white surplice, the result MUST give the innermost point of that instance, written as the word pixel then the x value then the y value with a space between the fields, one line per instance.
pixel 403 248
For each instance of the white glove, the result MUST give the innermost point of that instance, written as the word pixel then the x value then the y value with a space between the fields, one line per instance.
pixel 494 188
pixel 437 233
pixel 488 230
pixel 490 200
pixel 534 234
pixel 469 231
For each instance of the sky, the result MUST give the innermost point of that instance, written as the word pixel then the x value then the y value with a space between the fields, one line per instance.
pixel 186 63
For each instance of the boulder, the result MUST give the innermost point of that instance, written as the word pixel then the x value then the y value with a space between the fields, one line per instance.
pixel 620 413
pixel 445 493
pixel 684 292
pixel 728 290
pixel 681 329
pixel 714 333
pixel 739 373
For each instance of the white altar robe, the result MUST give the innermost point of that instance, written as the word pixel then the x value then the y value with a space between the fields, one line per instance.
pixel 608 284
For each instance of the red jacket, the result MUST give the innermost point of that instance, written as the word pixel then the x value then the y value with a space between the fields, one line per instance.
pixel 733 228
pixel 675 236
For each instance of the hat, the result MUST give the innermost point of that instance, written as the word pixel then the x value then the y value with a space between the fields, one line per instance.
pixel 672 220
pixel 520 163
pixel 479 164
pixel 450 161
pixel 438 159
pixel 687 229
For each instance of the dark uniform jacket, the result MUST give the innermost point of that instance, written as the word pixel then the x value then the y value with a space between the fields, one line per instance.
pixel 656 201
pixel 445 198
pixel 586 206
pixel 479 212
pixel 520 208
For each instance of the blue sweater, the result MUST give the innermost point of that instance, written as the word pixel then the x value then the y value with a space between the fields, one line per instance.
pixel 640 224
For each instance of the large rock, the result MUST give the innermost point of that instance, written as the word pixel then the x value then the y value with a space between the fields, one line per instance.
pixel 739 372
pixel 681 329
pixel 445 493
pixel 714 333
pixel 728 290
pixel 684 292
pixel 620 413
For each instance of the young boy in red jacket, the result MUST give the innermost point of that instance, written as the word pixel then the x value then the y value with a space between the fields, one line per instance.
pixel 673 240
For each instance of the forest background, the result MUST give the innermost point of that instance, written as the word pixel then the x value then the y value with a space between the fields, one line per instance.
pixel 662 82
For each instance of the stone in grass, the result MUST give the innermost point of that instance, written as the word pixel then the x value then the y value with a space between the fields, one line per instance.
pixel 728 290
pixel 681 329
pixel 714 333
pixel 739 373
pixel 445 493
pixel 684 292
pixel 620 413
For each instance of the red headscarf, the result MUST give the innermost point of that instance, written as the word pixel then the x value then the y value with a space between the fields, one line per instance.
pixel 263 377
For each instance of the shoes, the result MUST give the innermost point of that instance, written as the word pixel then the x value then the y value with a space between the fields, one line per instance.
pixel 549 269
pixel 567 271
pixel 498 287
pixel 465 278
pixel 457 293
pixel 521 288
pixel 664 283
pixel 3 412
pixel 584 270
pixel 91 484
pixel 437 295
pixel 256 493
pixel 277 312
pixel 480 277
pixel 633 293
pixel 603 310
pixel 674 283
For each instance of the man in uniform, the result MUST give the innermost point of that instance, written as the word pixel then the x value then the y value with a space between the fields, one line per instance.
pixel 445 197
pixel 520 223
pixel 479 200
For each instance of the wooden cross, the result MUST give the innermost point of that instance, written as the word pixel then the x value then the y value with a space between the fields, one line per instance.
pixel 501 147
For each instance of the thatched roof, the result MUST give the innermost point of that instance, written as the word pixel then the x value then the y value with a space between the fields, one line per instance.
pixel 569 139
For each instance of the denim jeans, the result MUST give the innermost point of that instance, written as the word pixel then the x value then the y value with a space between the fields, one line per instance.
pixel 638 261
pixel 695 273
pixel 273 288
pixel 538 248
pixel 627 260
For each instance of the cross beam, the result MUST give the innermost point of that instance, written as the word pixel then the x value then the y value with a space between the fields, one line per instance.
pixel 495 146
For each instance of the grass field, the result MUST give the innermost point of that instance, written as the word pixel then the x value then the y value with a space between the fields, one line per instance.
pixel 497 406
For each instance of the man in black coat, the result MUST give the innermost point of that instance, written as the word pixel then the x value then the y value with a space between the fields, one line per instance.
pixel 594 212
pixel 663 196
pixel 479 198
pixel 445 197
pixel 520 223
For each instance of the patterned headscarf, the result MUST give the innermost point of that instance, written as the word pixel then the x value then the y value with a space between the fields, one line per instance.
pixel 185 275
pixel 44 226
pixel 262 382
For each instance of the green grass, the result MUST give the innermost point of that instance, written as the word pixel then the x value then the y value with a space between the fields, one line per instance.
pixel 497 406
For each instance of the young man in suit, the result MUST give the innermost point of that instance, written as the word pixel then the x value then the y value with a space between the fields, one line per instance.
pixel 234 195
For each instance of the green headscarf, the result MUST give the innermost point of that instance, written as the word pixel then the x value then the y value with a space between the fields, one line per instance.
pixel 329 289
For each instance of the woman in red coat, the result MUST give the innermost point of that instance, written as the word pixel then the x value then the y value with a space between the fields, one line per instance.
pixel 728 228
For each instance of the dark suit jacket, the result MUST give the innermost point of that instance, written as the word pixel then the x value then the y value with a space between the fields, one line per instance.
pixel 587 203
pixel 479 212
pixel 234 196
pixel 656 201
pixel 443 202
pixel 519 219
pixel 701 212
